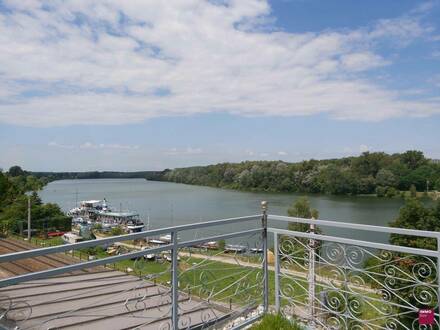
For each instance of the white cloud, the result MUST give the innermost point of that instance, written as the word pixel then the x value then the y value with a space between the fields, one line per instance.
pixel 58 145
pixel 180 58
pixel 364 148
pixel 282 153
pixel 183 152
pixel 90 145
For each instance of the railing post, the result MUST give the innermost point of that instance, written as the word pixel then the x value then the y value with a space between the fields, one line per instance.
pixel 265 261
pixel 438 274
pixel 174 283
pixel 312 278
pixel 277 273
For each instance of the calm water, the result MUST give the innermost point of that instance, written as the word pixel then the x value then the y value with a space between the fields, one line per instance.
pixel 169 204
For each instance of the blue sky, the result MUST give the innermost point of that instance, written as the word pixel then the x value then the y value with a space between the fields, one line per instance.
pixel 110 85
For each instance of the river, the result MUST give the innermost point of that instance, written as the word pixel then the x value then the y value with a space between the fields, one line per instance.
pixel 168 204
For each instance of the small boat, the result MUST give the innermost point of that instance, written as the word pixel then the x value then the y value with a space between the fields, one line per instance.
pixel 165 238
pixel 169 258
pixel 150 256
pixel 235 248
pixel 256 250
pixel 213 245
pixel 157 242
pixel 55 233
pixel 71 238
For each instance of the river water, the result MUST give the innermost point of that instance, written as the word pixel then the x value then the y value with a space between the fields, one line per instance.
pixel 168 204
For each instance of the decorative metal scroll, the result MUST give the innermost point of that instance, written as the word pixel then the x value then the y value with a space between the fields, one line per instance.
pixel 355 287
pixel 222 286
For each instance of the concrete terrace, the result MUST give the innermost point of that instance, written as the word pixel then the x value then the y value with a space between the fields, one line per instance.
pixel 98 298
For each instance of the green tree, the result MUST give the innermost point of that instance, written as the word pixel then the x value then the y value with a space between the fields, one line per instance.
pixel 380 191
pixel 413 191
pixel 301 209
pixel 413 159
pixel 386 178
pixel 370 163
pixel 15 171
pixel 413 215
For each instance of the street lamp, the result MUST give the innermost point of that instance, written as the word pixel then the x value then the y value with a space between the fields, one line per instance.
pixel 29 194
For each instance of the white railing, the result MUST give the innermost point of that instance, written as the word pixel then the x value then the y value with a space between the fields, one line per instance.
pixel 326 281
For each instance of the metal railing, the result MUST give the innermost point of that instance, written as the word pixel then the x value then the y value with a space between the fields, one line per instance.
pixel 333 282
pixel 216 299
pixel 325 281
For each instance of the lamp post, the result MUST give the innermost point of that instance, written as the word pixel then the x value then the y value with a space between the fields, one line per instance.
pixel 29 194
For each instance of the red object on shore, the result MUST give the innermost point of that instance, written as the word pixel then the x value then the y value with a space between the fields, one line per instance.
pixel 426 316
pixel 55 233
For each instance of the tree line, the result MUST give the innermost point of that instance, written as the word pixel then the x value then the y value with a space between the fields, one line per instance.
pixel 370 173
pixel 52 176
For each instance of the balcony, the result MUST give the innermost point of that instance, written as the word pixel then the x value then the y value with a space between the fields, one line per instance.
pixel 322 281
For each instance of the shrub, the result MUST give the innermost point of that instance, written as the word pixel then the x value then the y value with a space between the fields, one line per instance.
pixel 275 321
pixel 115 231
pixel 380 191
pixel 391 192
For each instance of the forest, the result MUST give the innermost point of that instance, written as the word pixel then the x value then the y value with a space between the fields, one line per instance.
pixel 370 173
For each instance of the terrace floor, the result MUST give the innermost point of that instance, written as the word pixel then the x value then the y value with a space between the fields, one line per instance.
pixel 98 298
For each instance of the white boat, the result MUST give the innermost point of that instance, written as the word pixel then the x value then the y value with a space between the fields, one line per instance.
pixel 150 256
pixel 157 242
pixel 235 248
pixel 89 208
pixel 169 258
pixel 71 238
pixel 129 221
pixel 165 238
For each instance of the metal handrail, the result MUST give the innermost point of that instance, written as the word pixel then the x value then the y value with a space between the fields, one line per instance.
pixel 114 239
pixel 260 228
pixel 347 225
pixel 173 247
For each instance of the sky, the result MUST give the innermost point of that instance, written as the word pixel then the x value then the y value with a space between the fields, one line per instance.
pixel 147 85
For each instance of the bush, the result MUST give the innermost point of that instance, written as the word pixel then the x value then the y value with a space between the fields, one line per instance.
pixel 380 191
pixel 391 192
pixel 413 191
pixel 271 322
pixel 116 231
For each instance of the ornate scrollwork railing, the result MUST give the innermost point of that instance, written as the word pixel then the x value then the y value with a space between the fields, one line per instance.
pixel 356 287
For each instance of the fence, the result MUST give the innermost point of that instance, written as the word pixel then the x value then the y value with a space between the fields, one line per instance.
pixel 325 281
